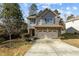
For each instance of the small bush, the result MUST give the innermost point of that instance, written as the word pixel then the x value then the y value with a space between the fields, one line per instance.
pixel 14 36
pixel 28 39
pixel 26 35
pixel 2 39
pixel 35 38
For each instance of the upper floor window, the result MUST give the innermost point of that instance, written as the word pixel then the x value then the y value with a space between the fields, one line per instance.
pixel 32 21
pixel 49 20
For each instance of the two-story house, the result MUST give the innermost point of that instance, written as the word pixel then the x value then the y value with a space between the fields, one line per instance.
pixel 45 23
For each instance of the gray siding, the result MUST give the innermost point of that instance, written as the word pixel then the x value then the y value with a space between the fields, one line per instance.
pixel 45 17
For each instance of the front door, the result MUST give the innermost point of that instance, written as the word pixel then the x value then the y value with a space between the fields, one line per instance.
pixel 33 32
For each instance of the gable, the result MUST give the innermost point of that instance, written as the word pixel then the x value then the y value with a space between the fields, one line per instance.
pixel 48 15
pixel 45 12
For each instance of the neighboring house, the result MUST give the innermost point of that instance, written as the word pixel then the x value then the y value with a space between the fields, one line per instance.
pixel 45 23
pixel 72 25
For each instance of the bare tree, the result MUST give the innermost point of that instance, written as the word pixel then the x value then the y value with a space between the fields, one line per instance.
pixel 11 17
pixel 8 24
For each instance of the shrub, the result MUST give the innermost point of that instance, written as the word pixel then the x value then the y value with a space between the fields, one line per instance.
pixel 28 39
pixel 70 36
pixel 25 35
pixel 16 35
pixel 2 39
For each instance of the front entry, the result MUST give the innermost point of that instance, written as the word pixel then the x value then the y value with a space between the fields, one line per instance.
pixel 32 32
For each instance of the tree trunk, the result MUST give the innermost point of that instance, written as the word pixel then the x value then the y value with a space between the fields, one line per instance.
pixel 10 39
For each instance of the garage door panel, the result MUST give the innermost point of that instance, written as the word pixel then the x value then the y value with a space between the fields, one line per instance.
pixel 48 34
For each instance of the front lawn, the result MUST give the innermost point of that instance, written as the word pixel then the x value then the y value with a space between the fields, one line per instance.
pixel 72 39
pixel 15 48
pixel 74 42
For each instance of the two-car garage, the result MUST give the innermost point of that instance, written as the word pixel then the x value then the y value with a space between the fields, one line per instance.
pixel 46 32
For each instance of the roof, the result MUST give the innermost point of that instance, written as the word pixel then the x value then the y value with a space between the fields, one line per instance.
pixel 46 11
pixel 32 16
pixel 41 13
pixel 72 29
pixel 73 19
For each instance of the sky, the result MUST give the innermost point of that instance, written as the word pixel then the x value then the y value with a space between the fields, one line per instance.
pixel 64 8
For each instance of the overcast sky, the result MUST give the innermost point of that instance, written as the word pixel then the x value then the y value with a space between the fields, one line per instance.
pixel 63 8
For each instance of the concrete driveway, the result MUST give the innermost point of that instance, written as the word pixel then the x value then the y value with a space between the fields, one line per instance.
pixel 52 47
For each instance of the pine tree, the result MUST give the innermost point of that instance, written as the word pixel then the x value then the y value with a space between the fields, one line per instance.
pixel 33 9
pixel 57 12
pixel 70 17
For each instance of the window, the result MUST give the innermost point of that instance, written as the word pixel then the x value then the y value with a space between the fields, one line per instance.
pixel 49 30
pixel 39 30
pixel 45 30
pixel 48 20
pixel 32 21
pixel 45 20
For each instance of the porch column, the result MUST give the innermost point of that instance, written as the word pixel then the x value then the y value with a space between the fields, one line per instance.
pixel 36 32
pixel 47 29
